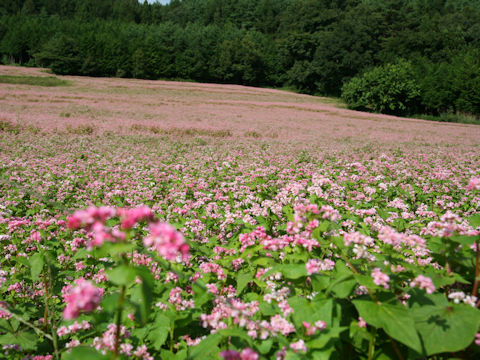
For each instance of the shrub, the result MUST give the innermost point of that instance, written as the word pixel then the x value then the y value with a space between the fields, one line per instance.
pixel 390 89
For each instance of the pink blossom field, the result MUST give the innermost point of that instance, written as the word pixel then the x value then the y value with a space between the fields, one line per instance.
pixel 174 220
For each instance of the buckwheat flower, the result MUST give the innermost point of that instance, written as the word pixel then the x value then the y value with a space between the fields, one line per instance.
pixel 298 346
pixel 87 218
pixel 85 297
pixel 248 354
pixel 477 339
pixel 320 325
pixel 62 330
pixel 314 266
pixel 168 242
pixel 132 216
pixel 230 355
pixel 470 300
pixel 245 354
pixel 4 237
pixel 423 282
pixel 212 288
pixel 380 278
pixel 474 184
pixel 237 264
pixel 457 296
pixel 361 323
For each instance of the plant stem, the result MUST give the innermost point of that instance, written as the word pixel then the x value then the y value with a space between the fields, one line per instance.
pixel 53 328
pixel 477 269
pixel 395 347
pixel 55 343
pixel 371 345
pixel 19 318
pixel 119 321
pixel 172 329
pixel 45 313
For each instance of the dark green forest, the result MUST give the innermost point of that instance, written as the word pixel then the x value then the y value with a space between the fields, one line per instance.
pixel 395 56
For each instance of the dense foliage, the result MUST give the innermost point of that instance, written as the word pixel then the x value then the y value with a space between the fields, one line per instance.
pixel 312 46
pixel 388 89
pixel 242 252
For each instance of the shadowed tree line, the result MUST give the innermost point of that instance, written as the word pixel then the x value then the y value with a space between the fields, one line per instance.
pixel 394 56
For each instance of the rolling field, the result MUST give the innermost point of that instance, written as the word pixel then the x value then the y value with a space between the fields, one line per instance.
pixel 173 220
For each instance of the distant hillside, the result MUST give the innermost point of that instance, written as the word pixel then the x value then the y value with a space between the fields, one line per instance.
pixel 313 47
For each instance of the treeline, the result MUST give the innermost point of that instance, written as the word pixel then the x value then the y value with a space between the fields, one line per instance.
pixel 394 56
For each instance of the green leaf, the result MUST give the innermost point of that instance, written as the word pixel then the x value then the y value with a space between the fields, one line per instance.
pixel 394 319
pixel 159 332
pixel 206 347
pixel 474 220
pixel 36 262
pixel 304 310
pixel 325 336
pixel 445 327
pixel 27 340
pixel 145 293
pixel 122 275
pixel 344 281
pixel 109 302
pixel 243 279
pixel 236 333
pixel 265 346
pixel 83 352
pixel 290 271
pixel 464 240
pixel 320 282
pixel 110 249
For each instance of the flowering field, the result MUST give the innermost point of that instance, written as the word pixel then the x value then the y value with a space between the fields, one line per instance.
pixel 164 220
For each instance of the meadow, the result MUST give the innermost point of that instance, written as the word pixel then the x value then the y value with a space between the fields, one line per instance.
pixel 173 220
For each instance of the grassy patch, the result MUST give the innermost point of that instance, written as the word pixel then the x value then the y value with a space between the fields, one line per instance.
pixel 9 127
pixel 182 131
pixel 81 130
pixel 33 80
pixel 452 117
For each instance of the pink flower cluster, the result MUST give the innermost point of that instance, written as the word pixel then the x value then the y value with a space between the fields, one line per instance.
pixel 213 268
pixel 474 184
pixel 85 297
pixel 164 238
pixel 130 217
pixel 423 282
pixel 88 218
pixel 312 329
pixel 167 241
pixel 314 266
pixel 245 354
pixel 93 219
pixel 380 278
pixel 298 346
pixel 64 330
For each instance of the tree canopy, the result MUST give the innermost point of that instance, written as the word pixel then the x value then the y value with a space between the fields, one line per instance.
pixel 315 47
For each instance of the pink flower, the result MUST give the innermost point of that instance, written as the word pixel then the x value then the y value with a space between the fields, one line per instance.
pixel 83 298
pixel 86 218
pixel 380 278
pixel 167 241
pixel 474 184
pixel 298 346
pixel 312 329
pixel 314 266
pixel 245 354
pixel 131 216
pixel 361 322
pixel 423 282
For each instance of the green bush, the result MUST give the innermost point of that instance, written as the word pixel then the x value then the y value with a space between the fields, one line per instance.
pixel 390 89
